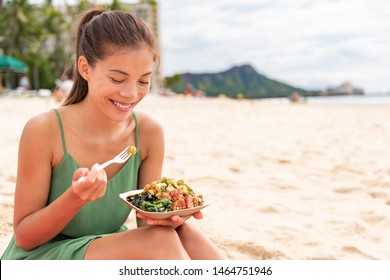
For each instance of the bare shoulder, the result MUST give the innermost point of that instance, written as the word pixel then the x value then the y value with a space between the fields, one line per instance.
pixel 39 134
pixel 40 125
pixel 148 125
pixel 151 136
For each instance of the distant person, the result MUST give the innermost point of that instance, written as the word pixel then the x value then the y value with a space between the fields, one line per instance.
pixel 64 87
pixel 295 97
pixel 200 93
pixel 24 83
pixel 188 90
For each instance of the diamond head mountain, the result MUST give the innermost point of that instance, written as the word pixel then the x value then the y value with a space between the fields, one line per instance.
pixel 243 80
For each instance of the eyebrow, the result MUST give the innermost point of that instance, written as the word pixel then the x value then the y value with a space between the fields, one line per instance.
pixel 124 73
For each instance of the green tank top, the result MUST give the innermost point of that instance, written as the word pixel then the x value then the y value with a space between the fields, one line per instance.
pixel 95 219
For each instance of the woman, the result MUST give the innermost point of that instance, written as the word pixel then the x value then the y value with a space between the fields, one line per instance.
pixel 57 217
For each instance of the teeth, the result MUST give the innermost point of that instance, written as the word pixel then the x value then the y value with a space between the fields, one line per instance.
pixel 120 105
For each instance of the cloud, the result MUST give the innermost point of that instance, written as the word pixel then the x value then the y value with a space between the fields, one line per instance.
pixel 307 43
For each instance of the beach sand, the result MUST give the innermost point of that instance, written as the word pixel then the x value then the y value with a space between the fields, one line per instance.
pixel 287 181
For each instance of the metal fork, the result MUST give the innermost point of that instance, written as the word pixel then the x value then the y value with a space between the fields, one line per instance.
pixel 120 158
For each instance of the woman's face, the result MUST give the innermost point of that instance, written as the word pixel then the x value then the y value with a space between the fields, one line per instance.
pixel 118 82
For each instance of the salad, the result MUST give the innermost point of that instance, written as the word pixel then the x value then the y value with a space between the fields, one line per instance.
pixel 166 195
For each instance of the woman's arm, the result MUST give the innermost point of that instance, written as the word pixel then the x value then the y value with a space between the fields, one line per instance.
pixel 34 222
pixel 152 149
pixel 151 145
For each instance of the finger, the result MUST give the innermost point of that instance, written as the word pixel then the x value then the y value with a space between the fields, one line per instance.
pixel 99 186
pixel 96 189
pixel 81 172
pixel 103 183
pixel 91 189
pixel 163 222
pixel 149 221
pixel 175 218
pixel 198 215
pixel 142 216
pixel 180 219
pixel 92 175
pixel 94 169
pixel 82 190
pixel 177 221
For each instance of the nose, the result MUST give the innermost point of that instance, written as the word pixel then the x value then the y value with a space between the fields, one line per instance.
pixel 129 90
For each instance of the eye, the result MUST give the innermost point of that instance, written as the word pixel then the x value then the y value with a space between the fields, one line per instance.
pixel 144 82
pixel 116 81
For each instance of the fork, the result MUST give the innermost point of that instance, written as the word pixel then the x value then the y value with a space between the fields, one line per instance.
pixel 120 158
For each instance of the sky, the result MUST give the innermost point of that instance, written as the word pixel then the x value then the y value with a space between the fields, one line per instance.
pixel 313 44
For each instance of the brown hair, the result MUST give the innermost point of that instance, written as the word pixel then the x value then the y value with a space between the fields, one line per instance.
pixel 99 33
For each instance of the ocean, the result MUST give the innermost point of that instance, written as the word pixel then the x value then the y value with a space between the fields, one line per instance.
pixel 360 100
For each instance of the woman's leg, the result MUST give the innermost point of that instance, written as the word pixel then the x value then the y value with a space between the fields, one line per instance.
pixel 197 244
pixel 150 242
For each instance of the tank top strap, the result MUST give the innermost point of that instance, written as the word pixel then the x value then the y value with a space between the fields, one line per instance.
pixel 63 135
pixel 62 130
pixel 136 128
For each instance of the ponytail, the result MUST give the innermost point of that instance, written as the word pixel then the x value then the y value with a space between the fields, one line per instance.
pixel 80 86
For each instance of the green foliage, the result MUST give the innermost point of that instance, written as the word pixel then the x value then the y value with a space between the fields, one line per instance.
pixel 174 80
pixel 149 2
pixel 41 36
pixel 116 5
pixel 16 30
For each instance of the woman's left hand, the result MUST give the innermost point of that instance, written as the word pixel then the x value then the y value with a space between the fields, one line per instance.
pixel 174 221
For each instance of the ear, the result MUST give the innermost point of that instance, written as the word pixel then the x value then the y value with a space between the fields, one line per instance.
pixel 83 67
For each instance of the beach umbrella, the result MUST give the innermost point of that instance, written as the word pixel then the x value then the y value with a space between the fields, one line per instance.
pixel 10 65
pixel 13 65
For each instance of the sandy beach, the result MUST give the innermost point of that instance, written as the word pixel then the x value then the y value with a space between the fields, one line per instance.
pixel 288 181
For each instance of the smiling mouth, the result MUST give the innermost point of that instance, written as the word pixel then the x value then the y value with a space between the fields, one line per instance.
pixel 122 105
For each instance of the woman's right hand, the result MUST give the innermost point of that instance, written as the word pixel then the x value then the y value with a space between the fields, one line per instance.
pixel 93 187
